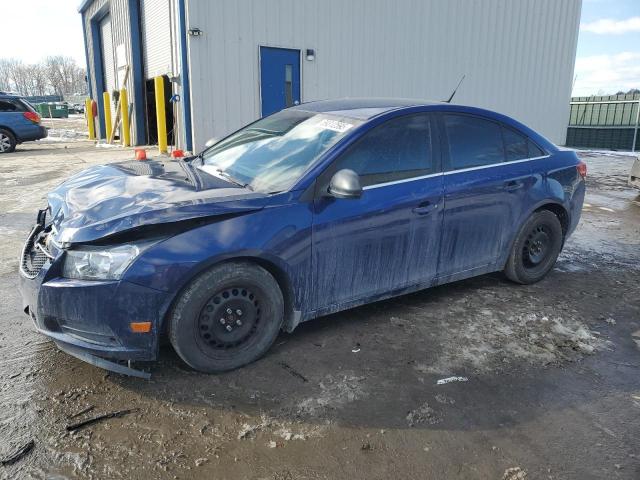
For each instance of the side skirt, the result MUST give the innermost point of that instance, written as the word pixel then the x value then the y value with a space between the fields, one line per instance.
pixel 398 292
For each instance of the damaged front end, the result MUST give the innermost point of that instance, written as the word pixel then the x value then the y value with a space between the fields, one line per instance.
pixel 97 225
pixel 87 316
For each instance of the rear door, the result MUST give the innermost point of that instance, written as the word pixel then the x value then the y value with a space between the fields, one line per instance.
pixel 486 185
pixel 12 116
pixel 389 238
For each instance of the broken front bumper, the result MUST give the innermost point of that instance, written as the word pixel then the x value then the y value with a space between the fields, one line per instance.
pixel 91 319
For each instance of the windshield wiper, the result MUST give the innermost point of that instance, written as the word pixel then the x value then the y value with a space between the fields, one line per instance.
pixel 200 157
pixel 228 177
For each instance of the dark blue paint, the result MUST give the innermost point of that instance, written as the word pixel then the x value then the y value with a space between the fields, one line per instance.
pixel 328 254
pixel 137 73
pixel 273 62
pixel 94 26
pixel 184 74
pixel 84 5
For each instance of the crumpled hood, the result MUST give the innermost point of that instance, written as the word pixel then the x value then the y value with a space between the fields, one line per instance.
pixel 107 199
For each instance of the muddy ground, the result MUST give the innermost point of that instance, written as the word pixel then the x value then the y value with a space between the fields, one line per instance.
pixel 549 373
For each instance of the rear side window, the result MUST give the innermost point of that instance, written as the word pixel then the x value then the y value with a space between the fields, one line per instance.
pixel 26 106
pixel 534 150
pixel 395 150
pixel 515 145
pixel 473 141
pixel 10 106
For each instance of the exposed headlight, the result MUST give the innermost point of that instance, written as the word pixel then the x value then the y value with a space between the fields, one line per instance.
pixel 101 263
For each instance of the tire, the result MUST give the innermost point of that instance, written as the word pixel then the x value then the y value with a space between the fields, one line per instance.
pixel 227 317
pixel 7 141
pixel 536 249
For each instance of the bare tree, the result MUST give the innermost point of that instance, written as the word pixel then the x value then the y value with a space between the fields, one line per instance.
pixel 56 75
pixel 40 79
pixel 5 67
pixel 64 74
pixel 19 76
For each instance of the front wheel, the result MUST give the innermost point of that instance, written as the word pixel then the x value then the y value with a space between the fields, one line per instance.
pixel 536 248
pixel 227 317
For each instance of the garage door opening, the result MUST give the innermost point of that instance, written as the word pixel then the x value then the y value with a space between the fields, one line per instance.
pixel 151 117
pixel 109 79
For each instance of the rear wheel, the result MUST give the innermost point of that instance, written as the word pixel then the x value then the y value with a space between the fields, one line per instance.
pixel 536 248
pixel 227 317
pixel 7 141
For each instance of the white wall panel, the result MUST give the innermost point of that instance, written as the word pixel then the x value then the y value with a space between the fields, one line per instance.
pixel 108 55
pixel 156 37
pixel 518 55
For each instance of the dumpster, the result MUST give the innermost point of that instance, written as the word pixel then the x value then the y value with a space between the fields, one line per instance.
pixel 53 110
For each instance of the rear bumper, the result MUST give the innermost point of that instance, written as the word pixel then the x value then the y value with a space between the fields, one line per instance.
pixel 575 207
pixel 92 318
pixel 36 132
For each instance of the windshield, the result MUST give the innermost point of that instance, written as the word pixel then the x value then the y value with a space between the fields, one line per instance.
pixel 271 154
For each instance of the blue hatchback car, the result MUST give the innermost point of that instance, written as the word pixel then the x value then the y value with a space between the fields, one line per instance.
pixel 312 210
pixel 19 122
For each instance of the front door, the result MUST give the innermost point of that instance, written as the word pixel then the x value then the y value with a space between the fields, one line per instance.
pixel 387 239
pixel 279 79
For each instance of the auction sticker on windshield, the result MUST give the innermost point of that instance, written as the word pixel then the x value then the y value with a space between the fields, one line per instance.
pixel 335 125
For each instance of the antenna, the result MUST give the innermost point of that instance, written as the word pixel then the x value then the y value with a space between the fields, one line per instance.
pixel 455 89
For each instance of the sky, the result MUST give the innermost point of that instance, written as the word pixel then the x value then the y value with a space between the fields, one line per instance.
pixel 608 56
pixel 26 23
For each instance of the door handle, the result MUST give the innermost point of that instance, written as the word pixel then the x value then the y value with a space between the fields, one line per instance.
pixel 424 207
pixel 513 185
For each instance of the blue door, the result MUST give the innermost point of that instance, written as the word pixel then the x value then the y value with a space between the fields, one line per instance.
pixel 486 187
pixel 279 78
pixel 389 238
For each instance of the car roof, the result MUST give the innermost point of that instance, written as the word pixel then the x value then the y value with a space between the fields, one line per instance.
pixel 367 108
pixel 10 95
pixel 360 108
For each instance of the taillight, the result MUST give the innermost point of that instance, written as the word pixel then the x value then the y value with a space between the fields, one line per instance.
pixel 582 169
pixel 32 117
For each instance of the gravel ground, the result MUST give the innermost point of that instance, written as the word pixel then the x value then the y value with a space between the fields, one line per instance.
pixel 546 378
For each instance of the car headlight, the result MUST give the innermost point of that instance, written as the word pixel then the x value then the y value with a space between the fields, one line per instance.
pixel 101 263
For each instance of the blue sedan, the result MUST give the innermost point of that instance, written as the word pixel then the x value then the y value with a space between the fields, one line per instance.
pixel 315 209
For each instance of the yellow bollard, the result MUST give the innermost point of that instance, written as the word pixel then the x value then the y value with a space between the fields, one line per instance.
pixel 161 116
pixel 88 112
pixel 124 113
pixel 107 114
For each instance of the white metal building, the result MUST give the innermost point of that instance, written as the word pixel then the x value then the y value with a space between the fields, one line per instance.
pixel 230 61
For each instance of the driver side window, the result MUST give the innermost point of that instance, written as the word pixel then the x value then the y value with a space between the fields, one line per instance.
pixel 397 149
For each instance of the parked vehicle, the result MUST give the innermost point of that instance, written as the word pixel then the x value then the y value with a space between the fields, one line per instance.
pixel 77 108
pixel 634 176
pixel 312 210
pixel 19 122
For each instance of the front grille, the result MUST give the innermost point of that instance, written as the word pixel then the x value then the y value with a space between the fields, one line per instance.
pixel 34 253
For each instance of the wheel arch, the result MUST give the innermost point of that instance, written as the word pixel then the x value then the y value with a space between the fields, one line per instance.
pixel 553 206
pixel 291 316
pixel 11 131
pixel 561 212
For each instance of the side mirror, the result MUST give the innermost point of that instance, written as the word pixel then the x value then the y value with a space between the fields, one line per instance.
pixel 211 142
pixel 345 184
